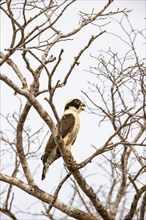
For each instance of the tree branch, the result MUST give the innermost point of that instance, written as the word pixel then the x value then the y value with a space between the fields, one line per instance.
pixel 134 204
pixel 45 197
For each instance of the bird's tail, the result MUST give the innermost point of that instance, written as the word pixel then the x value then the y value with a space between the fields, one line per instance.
pixel 44 171
pixel 47 161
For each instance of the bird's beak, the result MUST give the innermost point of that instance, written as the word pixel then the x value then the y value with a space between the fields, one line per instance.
pixel 83 106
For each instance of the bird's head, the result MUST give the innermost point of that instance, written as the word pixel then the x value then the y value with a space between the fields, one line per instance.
pixel 75 104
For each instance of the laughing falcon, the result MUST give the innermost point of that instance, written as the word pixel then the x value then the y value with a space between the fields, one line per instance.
pixel 69 127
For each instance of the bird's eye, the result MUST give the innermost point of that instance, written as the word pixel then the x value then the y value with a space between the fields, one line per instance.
pixel 77 101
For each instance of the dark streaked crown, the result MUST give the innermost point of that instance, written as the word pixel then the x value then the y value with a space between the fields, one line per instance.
pixel 74 103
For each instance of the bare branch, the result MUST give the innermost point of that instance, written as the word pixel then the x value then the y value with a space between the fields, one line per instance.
pixel 136 198
pixel 76 58
pixel 143 207
pixel 45 197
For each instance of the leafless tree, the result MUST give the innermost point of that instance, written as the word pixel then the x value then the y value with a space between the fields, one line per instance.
pixel 35 33
pixel 120 102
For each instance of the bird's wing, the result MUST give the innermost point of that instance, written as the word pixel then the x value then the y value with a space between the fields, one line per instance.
pixel 51 152
pixel 67 124
pixel 48 149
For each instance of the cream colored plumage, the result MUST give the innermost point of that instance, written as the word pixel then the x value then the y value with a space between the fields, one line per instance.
pixel 69 127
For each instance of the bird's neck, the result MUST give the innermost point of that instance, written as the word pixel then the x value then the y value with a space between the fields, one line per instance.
pixel 71 109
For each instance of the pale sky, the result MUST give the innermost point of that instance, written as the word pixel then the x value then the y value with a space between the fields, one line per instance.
pixel 77 82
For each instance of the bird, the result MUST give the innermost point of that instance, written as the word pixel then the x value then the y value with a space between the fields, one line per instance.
pixel 68 127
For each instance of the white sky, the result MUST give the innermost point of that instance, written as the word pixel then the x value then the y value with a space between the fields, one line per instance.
pixel 77 82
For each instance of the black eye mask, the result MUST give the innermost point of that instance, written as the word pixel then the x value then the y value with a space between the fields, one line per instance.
pixel 75 103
